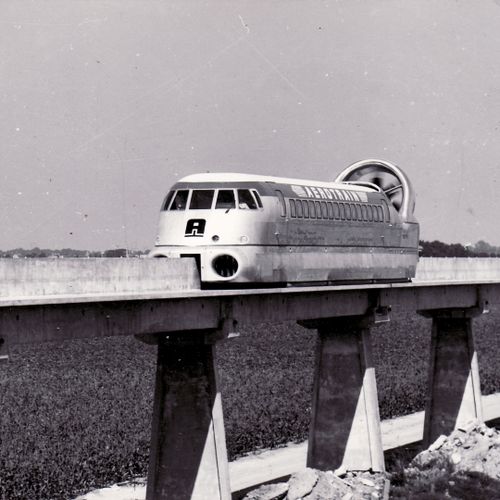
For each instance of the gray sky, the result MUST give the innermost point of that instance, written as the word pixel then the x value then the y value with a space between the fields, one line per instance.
pixel 105 104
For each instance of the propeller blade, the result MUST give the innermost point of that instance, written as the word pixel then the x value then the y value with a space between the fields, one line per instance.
pixel 384 180
pixel 396 198
pixel 387 181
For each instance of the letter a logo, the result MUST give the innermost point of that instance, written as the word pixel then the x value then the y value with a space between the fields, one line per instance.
pixel 195 227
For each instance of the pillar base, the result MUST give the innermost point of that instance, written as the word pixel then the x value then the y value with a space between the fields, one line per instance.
pixel 345 423
pixel 454 391
pixel 188 457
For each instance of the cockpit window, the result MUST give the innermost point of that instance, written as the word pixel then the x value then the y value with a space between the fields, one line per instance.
pixel 257 197
pixel 246 200
pixel 180 200
pixel 167 201
pixel 201 199
pixel 225 199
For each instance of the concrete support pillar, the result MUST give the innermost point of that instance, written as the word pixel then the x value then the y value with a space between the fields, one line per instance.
pixel 188 458
pixel 454 391
pixel 345 422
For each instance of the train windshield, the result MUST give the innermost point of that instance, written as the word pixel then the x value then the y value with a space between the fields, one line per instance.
pixel 180 200
pixel 246 200
pixel 201 199
pixel 225 199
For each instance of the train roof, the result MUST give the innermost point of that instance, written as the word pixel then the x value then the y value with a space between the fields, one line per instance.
pixel 238 177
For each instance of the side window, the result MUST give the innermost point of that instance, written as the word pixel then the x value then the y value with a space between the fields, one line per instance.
pixel 300 212
pixel 257 198
pixel 293 212
pixel 324 210
pixel 336 210
pixel 180 200
pixel 281 200
pixel 364 212
pixel 318 209
pixel 347 207
pixel 380 214
pixel 312 210
pixel 330 209
pixel 369 210
pixel 201 199
pixel 305 206
pixel 225 199
pixel 246 200
pixel 359 212
pixel 342 211
pixel 167 201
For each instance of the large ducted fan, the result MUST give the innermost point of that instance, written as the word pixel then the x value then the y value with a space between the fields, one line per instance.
pixel 388 178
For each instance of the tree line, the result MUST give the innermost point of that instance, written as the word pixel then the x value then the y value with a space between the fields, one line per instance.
pixel 434 248
pixel 40 253
pixel 437 248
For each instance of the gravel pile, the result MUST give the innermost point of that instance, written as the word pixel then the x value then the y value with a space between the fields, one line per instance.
pixel 465 464
pixel 472 448
pixel 311 484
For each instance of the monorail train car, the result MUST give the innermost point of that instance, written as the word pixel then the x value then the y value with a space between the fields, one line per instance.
pixel 257 229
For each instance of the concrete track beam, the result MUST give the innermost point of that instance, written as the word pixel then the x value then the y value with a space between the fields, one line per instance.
pixel 345 422
pixel 453 391
pixel 188 457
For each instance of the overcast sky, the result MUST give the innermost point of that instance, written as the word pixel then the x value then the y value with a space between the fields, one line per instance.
pixel 105 104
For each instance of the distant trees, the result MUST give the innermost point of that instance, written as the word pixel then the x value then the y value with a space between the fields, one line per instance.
pixel 116 252
pixel 483 249
pixel 434 248
pixel 437 248
pixel 40 253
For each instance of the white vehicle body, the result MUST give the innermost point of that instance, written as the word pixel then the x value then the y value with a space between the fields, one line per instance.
pixel 259 229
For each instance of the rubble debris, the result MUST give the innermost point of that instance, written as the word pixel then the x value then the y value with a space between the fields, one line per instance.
pixel 275 491
pixel 312 484
pixel 465 464
pixel 459 463
pixel 472 447
pixel 301 484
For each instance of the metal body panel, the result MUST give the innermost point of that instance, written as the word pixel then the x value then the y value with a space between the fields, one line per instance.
pixel 296 264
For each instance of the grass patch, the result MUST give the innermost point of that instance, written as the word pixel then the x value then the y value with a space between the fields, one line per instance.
pixel 76 415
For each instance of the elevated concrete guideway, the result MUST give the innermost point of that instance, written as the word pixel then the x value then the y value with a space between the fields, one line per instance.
pixel 160 302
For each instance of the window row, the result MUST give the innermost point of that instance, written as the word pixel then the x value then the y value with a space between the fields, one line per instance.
pixel 309 209
pixel 205 199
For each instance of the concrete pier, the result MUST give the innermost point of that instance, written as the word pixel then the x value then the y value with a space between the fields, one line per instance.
pixel 188 458
pixel 454 391
pixel 345 423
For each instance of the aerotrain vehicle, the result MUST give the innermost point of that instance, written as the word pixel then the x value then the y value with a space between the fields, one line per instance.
pixel 256 229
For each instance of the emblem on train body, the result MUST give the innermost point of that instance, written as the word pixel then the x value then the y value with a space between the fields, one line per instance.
pixel 328 193
pixel 195 227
